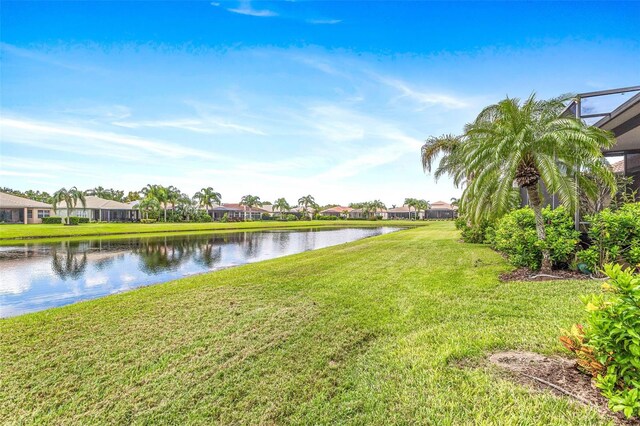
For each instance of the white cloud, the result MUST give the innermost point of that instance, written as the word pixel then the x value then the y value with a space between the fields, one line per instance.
pixel 246 9
pixel 324 21
pixel 424 98
pixel 23 174
pixel 253 12
pixel 50 59
pixel 57 137
pixel 210 125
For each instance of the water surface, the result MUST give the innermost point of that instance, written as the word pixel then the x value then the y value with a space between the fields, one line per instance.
pixel 34 277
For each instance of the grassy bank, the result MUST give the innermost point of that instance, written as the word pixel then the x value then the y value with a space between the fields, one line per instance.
pixel 370 332
pixel 12 232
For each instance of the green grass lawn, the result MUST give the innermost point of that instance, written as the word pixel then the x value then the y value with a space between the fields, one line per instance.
pixel 369 332
pixel 9 232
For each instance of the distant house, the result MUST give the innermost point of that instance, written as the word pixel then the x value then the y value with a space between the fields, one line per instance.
pixel 269 209
pixel 237 212
pixel 100 210
pixel 363 214
pixel 403 212
pixel 441 210
pixel 14 209
pixel 337 211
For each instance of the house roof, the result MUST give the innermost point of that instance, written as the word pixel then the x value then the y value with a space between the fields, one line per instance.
pixel 93 202
pixel 337 209
pixel 624 122
pixel 237 207
pixel 441 205
pixel 10 201
pixel 618 167
pixel 401 209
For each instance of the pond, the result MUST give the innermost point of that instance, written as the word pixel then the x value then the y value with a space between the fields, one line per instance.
pixel 34 277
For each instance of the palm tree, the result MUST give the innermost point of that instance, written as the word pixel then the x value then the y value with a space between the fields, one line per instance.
pixel 132 196
pixel 305 202
pixel 185 206
pixel 70 197
pixel 376 206
pixel 281 205
pixel 528 143
pixel 173 195
pixel 98 191
pixel 207 197
pixel 148 204
pixel 160 193
pixel 421 205
pixel 250 201
pixel 410 202
pixel 452 160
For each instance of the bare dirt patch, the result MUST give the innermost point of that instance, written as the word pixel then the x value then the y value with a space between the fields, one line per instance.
pixel 558 375
pixel 526 274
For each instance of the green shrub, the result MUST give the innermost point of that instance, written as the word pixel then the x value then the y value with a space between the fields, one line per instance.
pixel 614 237
pixel 148 220
pixel 479 233
pixel 291 217
pixel 202 217
pixel 76 220
pixel 325 217
pixel 52 220
pixel 613 332
pixel 516 236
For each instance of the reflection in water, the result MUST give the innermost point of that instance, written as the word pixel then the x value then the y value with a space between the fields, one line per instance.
pixel 67 262
pixel 39 276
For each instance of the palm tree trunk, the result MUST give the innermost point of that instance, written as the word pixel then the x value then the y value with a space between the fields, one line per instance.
pixel 536 205
pixel 165 213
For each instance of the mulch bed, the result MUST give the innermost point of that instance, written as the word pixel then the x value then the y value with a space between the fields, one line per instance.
pixel 526 274
pixel 558 375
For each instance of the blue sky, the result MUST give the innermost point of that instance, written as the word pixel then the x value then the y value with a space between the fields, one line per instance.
pixel 281 98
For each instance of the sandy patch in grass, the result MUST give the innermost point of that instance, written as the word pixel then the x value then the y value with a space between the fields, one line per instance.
pixel 557 374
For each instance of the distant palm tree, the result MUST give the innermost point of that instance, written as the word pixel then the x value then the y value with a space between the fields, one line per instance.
pixel 377 206
pixel 160 193
pixel 305 202
pixel 186 206
pixel 422 205
pixel 207 198
pixel 98 191
pixel 281 205
pixel 173 194
pixel 147 205
pixel 250 201
pixel 132 196
pixel 410 202
pixel 315 210
pixel 529 143
pixel 70 197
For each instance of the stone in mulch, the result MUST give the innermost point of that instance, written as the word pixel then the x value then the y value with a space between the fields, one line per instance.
pixel 558 375
pixel 526 274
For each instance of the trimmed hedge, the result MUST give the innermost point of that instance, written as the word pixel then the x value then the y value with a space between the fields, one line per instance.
pixel 75 220
pixel 52 220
